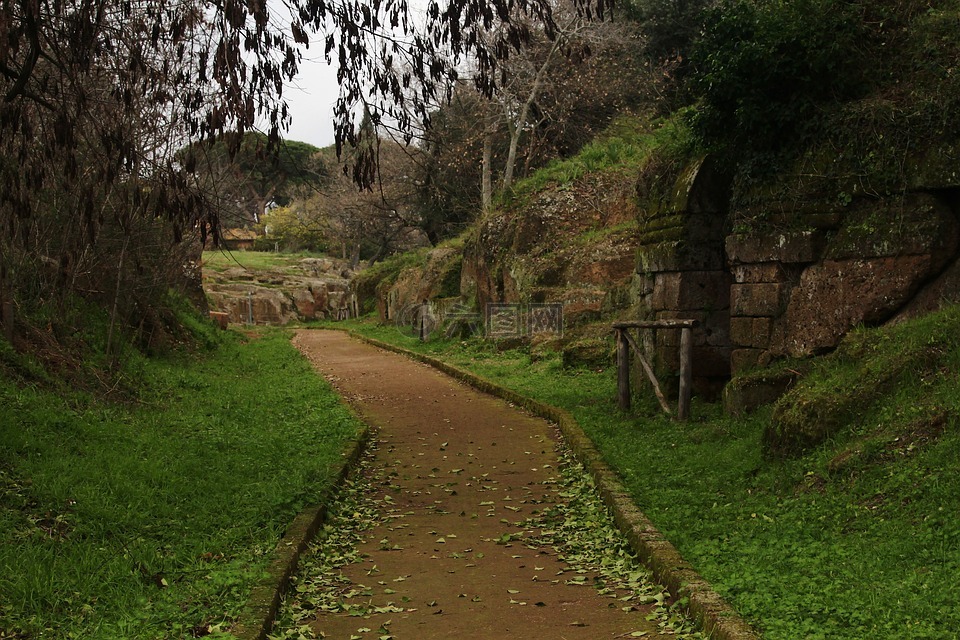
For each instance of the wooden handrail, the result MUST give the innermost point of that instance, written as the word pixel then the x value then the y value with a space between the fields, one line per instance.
pixel 625 343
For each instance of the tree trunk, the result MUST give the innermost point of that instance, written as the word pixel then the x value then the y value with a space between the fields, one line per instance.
pixel 486 180
pixel 6 307
pixel 116 294
pixel 355 257
pixel 517 126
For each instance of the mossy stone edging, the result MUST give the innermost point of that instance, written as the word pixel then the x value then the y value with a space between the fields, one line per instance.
pixel 718 619
pixel 261 609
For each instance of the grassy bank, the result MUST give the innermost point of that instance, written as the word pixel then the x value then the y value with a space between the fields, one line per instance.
pixel 856 539
pixel 153 518
pixel 219 261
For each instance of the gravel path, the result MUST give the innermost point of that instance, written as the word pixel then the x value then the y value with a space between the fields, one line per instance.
pixel 461 484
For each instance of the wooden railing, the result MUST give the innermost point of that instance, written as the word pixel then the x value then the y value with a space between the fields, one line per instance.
pixel 626 342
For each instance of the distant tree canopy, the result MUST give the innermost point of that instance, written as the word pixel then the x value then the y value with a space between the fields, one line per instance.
pixel 357 224
pixel 241 180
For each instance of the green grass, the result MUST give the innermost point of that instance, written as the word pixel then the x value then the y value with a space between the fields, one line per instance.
pixel 625 146
pixel 154 518
pixel 599 233
pixel 856 539
pixel 219 261
pixel 619 153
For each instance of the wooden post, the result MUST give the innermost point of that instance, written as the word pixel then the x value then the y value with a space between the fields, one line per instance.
pixel 423 322
pixel 638 352
pixel 623 370
pixel 6 319
pixel 686 374
pixel 625 341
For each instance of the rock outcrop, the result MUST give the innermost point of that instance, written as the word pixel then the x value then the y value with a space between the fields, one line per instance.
pixel 574 245
pixel 783 271
pixel 316 289
pixel 436 279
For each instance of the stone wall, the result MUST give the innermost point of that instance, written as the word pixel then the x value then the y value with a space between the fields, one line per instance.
pixel 681 270
pixel 794 284
pixel 798 293
pixel 764 271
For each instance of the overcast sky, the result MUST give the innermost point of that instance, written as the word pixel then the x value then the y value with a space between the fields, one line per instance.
pixel 311 98
pixel 314 91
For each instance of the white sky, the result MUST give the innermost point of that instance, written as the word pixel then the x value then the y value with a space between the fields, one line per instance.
pixel 314 91
pixel 311 97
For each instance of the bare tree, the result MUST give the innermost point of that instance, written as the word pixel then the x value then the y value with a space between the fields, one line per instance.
pixel 554 97
pixel 540 70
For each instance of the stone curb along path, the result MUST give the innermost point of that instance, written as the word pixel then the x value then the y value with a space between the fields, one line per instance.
pixel 260 610
pixel 717 618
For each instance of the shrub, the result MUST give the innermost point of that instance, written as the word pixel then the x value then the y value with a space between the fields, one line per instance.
pixel 765 70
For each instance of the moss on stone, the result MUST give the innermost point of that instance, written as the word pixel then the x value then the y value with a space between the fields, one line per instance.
pixel 587 352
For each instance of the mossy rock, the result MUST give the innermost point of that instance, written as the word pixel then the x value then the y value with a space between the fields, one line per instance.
pixel 801 422
pixel 867 368
pixel 588 352
pixel 669 185
pixel 450 281
pixel 745 394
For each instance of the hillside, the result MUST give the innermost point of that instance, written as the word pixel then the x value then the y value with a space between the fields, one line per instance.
pixel 803 206
pixel 818 212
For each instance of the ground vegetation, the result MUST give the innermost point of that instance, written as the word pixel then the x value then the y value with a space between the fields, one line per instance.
pixel 156 516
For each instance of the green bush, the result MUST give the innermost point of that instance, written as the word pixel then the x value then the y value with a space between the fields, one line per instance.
pixel 669 27
pixel 766 70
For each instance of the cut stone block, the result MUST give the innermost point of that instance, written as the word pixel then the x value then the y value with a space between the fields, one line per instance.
pixel 789 248
pixel 751 332
pixel 757 300
pixel 691 290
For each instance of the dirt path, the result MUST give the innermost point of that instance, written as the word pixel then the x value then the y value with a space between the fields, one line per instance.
pixel 464 468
